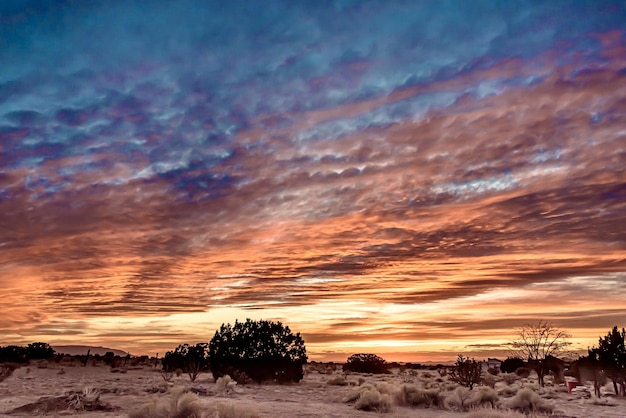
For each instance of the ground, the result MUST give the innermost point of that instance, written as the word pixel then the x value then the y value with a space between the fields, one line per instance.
pixel 125 390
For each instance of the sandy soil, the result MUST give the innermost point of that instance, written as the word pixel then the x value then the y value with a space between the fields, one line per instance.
pixel 313 397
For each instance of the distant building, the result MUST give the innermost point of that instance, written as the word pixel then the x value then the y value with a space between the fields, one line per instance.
pixel 491 363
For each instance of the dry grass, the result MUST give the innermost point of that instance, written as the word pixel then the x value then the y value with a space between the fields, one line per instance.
pixel 233 410
pixel 373 400
pixel 411 395
pixel 526 401
pixel 179 404
pixel 337 381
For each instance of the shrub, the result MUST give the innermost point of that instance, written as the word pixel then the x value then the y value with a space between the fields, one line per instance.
pixel 410 395
pixel 191 359
pixel 234 410
pixel 337 381
pixel 39 351
pixel 489 380
pixel 366 363
pixel 263 350
pixel 13 354
pixel 485 396
pixel 527 401
pixel 466 372
pixel 510 378
pixel 180 404
pixel 511 364
pixel 523 372
pixel 373 400
pixel 225 384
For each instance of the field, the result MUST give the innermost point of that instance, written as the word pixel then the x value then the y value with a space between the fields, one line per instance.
pixel 73 390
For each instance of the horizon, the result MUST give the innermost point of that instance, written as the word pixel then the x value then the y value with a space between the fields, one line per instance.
pixel 401 178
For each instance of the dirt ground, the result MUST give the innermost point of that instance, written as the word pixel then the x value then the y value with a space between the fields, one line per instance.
pixel 124 391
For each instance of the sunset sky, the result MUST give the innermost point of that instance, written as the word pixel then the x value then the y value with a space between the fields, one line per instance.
pixel 414 179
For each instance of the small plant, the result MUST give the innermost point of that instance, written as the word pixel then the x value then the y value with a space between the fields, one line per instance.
pixel 466 372
pixel 366 363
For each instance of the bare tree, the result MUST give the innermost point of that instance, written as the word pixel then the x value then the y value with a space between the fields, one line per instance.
pixel 540 343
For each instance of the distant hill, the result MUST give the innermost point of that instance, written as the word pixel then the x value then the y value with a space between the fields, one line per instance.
pixel 76 350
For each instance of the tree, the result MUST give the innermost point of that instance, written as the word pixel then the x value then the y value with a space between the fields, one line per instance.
pixel 13 354
pixel 538 342
pixel 510 364
pixel 39 351
pixel 366 363
pixel 466 371
pixel 611 356
pixel 191 359
pixel 260 350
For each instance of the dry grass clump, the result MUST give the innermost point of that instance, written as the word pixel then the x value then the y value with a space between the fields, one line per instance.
pixel 509 378
pixel 233 410
pixel 225 384
pixel 464 399
pixel 411 395
pixel 488 412
pixel 373 400
pixel 508 391
pixel 179 404
pixel 527 401
pixel 337 381
pixel 368 397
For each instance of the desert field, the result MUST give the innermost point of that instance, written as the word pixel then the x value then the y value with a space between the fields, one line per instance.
pixel 73 390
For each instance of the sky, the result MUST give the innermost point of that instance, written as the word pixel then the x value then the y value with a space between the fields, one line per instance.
pixel 415 179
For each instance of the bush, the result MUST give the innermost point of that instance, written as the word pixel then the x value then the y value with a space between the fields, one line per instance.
pixel 410 395
pixel 366 363
pixel 527 401
pixel 373 400
pixel 523 372
pixel 39 351
pixel 263 350
pixel 191 359
pixel 337 381
pixel 511 364
pixel 179 405
pixel 466 372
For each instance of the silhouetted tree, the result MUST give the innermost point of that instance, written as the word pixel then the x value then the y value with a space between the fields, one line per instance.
pixel 536 342
pixel 366 363
pixel 191 359
pixel 39 351
pixel 611 356
pixel 261 350
pixel 466 371
pixel 511 364
pixel 13 354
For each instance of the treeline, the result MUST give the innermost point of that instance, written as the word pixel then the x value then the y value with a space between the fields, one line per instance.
pixel 21 355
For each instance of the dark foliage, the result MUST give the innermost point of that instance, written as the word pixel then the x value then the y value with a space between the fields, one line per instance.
pixel 39 351
pixel 611 356
pixel 466 372
pixel 191 359
pixel 13 354
pixel 366 363
pixel 511 364
pixel 260 350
